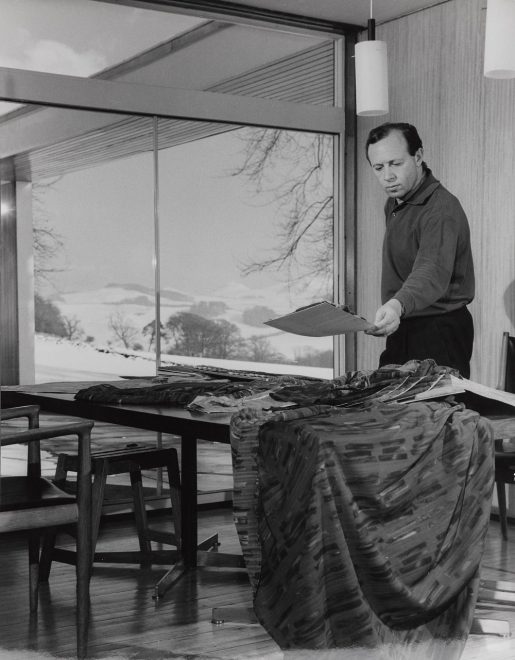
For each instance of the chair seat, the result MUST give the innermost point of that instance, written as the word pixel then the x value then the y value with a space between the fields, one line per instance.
pixel 123 459
pixel 21 492
pixel 30 504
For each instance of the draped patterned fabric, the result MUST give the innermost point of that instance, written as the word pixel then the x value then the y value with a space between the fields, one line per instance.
pixel 364 528
pixel 215 391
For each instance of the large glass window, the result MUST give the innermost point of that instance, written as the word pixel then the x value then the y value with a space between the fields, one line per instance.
pixel 246 234
pixel 94 245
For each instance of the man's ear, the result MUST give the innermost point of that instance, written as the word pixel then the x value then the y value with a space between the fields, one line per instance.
pixel 419 156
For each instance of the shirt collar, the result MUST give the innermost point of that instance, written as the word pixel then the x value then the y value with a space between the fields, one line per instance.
pixel 424 190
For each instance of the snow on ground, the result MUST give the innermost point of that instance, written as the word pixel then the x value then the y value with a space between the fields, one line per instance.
pixel 63 360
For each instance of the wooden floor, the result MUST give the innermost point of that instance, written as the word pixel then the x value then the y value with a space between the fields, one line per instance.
pixel 126 623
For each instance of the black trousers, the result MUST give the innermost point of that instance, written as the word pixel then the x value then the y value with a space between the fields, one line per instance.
pixel 446 338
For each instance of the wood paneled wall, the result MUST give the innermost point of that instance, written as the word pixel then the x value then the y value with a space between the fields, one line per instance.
pixel 467 125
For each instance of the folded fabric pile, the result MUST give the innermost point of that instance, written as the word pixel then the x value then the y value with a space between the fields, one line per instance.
pixel 202 393
pixel 389 383
pixel 178 393
pixel 182 393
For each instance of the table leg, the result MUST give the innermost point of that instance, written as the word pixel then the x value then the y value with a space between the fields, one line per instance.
pixel 192 553
pixel 189 519
pixel 189 508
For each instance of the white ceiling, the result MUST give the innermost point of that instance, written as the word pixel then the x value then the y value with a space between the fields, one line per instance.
pixel 344 11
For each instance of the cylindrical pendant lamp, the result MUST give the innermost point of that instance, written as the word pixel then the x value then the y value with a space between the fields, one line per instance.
pixel 500 39
pixel 371 78
pixel 371 64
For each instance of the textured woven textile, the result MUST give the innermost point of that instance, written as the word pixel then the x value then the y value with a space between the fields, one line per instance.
pixel 364 528
pixel 179 393
pixel 183 392
pixel 354 388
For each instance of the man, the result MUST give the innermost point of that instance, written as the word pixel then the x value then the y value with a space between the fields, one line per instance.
pixel 427 268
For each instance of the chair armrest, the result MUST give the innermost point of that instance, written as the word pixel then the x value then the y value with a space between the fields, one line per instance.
pixel 31 412
pixel 81 429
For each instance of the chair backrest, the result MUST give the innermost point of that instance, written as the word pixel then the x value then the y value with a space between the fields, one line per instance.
pixel 507 371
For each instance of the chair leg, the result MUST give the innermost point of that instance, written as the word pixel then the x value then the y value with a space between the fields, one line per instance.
pixel 97 500
pixel 501 499
pixel 83 573
pixel 140 514
pixel 50 534
pixel 61 470
pixel 34 538
pixel 47 550
pixel 174 484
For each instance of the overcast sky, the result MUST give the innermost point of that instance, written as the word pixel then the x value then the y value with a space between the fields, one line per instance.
pixel 107 211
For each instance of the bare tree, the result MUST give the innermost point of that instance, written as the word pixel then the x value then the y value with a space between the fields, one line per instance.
pixel 295 171
pixel 150 331
pixel 72 327
pixel 122 328
pixel 48 245
pixel 260 349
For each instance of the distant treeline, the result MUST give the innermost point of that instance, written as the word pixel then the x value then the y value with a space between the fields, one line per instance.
pixel 193 333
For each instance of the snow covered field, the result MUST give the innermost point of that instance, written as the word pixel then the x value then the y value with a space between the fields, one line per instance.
pixel 64 360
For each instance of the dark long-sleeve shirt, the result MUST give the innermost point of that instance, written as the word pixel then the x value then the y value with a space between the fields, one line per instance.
pixel 427 258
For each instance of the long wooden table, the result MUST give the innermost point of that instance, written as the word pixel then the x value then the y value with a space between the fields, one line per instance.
pixel 190 427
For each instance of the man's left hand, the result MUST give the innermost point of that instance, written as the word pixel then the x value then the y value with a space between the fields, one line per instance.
pixel 387 319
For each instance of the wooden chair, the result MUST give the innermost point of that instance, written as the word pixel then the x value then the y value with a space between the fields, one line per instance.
pixel 131 459
pixel 32 503
pixel 505 460
pixel 502 592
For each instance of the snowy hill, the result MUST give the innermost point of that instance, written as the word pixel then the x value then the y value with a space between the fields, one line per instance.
pixel 133 304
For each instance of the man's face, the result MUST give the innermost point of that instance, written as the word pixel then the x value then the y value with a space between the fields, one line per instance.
pixel 397 171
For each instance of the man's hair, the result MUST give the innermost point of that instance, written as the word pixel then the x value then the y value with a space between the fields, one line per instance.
pixel 410 134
